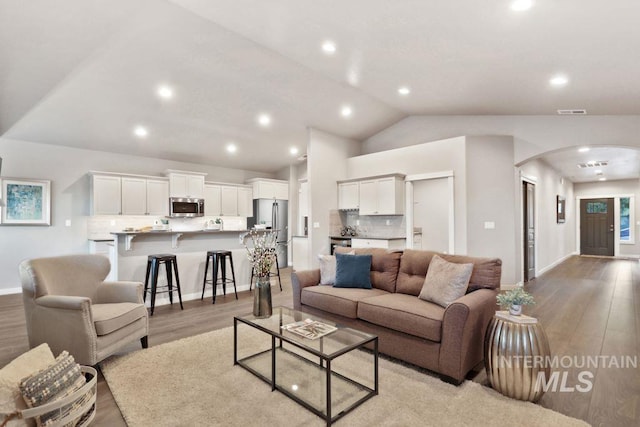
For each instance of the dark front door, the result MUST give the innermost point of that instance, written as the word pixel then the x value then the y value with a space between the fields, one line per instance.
pixel 596 227
pixel 528 197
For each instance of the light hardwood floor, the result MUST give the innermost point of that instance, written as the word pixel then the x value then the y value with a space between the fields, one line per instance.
pixel 588 306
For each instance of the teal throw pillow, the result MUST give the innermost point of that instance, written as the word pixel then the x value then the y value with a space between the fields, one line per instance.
pixel 353 271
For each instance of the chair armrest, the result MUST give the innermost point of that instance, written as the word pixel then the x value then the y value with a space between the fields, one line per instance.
pixel 64 302
pixel 463 329
pixel 114 292
pixel 302 279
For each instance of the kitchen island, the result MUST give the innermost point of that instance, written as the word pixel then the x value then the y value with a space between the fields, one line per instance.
pixel 131 249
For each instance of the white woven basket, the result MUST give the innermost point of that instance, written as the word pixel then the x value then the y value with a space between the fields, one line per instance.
pixel 76 414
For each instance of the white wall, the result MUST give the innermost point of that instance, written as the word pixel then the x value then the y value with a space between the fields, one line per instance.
pixel 326 164
pixel 533 135
pixel 491 198
pixel 629 187
pixel 67 169
pixel 554 242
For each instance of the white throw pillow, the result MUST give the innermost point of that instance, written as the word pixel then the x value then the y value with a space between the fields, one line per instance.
pixel 446 281
pixel 327 269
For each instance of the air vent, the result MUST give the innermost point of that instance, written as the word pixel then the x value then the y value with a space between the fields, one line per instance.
pixel 573 112
pixel 597 164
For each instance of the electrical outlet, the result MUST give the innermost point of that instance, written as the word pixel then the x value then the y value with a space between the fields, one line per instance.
pixel 388 222
pixel 316 225
pixel 112 222
pixel 489 225
pixel 357 222
pixel 67 223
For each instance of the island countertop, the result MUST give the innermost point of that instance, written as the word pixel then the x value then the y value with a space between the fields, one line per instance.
pixel 126 233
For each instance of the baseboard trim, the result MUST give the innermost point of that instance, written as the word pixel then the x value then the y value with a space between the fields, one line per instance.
pixel 10 291
pixel 164 300
pixel 555 263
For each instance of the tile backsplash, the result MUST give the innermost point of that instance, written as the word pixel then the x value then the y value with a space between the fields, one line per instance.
pixel 367 225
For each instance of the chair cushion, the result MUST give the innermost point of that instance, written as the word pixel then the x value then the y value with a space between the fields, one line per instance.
pixel 352 271
pixel 111 317
pixel 404 313
pixel 342 301
pixel 445 282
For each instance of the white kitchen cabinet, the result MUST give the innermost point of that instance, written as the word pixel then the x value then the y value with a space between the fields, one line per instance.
pixel 349 195
pixel 134 196
pixel 382 196
pixel 106 195
pixel 245 202
pixel 212 200
pixel 229 201
pixel 157 197
pixel 398 244
pixel 269 189
pixel 183 184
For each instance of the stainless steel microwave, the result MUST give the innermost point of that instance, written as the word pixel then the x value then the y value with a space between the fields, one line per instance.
pixel 182 207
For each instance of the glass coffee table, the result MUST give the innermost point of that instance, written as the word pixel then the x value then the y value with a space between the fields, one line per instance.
pixel 302 369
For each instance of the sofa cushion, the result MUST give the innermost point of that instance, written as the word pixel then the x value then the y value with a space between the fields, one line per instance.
pixel 111 317
pixel 486 272
pixel 445 282
pixel 384 266
pixel 414 264
pixel 341 301
pixel 404 313
pixel 353 271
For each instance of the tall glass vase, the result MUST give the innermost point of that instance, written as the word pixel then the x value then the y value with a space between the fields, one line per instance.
pixel 262 298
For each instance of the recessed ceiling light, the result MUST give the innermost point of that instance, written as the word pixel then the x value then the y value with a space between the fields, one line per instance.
pixel 264 120
pixel 521 5
pixel 231 148
pixel 403 90
pixel 602 179
pixel 559 80
pixel 583 149
pixel 346 111
pixel 293 151
pixel 140 131
pixel 165 92
pixel 329 47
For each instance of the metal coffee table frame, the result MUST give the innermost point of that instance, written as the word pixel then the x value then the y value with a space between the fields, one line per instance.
pixel 277 338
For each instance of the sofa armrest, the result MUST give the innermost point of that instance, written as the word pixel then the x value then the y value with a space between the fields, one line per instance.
pixel 463 329
pixel 114 292
pixel 302 279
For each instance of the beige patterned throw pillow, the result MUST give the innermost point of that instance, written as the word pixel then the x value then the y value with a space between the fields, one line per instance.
pixel 445 282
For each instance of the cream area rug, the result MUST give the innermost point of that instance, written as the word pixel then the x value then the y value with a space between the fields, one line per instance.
pixel 193 382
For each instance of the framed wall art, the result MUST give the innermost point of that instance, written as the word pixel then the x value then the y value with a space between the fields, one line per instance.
pixel 560 209
pixel 26 201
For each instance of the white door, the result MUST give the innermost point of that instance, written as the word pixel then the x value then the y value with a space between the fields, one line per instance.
pixel 431 213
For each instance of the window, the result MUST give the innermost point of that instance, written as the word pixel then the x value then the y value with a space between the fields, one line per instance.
pixel 596 207
pixel 625 220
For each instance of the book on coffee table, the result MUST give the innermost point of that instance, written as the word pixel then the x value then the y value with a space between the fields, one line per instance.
pixel 308 328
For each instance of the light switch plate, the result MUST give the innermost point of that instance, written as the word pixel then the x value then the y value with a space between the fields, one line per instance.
pixel 489 225
pixel 316 225
pixel 67 223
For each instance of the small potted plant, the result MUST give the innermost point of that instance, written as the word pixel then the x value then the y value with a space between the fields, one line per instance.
pixel 514 299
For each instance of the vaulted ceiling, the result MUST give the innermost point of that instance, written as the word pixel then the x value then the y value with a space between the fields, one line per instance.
pixel 85 73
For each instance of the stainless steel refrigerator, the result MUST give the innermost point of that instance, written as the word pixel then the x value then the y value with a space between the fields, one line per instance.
pixel 273 213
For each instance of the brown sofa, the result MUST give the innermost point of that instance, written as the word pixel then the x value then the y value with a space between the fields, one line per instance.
pixel 448 341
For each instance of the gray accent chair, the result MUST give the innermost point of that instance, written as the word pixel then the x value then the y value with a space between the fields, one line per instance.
pixel 69 306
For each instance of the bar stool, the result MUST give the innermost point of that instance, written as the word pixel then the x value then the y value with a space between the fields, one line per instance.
pixel 153 265
pixel 219 261
pixel 271 273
